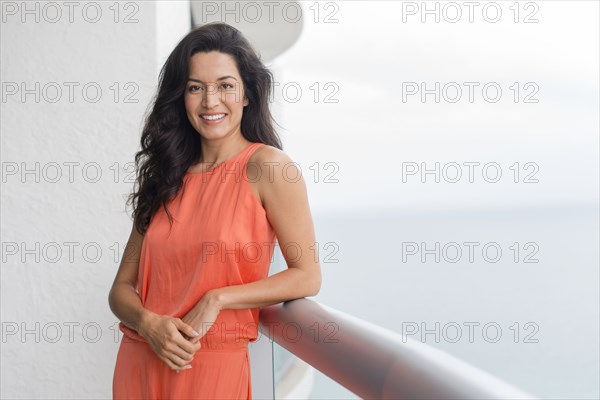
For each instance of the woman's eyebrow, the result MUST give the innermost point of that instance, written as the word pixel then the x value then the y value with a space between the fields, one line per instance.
pixel 219 79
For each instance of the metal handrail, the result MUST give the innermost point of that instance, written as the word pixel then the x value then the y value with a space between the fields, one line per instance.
pixel 373 362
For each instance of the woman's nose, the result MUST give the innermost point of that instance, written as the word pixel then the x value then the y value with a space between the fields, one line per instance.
pixel 211 96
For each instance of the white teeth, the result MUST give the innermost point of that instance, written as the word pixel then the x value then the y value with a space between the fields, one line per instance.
pixel 213 117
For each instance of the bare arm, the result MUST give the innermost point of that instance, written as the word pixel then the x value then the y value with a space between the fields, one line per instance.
pixel 285 285
pixel 123 299
pixel 286 203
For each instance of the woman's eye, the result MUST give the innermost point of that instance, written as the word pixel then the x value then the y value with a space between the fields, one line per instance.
pixel 193 88
pixel 228 86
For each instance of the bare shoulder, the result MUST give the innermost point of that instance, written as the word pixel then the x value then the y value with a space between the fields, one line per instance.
pixel 269 154
pixel 273 172
pixel 271 162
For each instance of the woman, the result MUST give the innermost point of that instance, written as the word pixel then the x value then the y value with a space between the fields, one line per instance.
pixel 215 191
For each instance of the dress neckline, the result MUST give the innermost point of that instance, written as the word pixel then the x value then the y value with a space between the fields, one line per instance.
pixel 239 153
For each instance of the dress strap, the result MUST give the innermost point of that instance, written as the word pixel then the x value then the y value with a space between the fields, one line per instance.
pixel 250 149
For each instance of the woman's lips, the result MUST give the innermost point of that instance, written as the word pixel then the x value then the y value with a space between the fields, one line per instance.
pixel 213 121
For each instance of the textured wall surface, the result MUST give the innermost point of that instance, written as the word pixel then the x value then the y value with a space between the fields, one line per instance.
pixel 65 176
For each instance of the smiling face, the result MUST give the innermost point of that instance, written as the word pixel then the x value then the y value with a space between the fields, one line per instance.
pixel 214 95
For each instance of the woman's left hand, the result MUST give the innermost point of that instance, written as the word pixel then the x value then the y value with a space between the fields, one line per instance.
pixel 203 315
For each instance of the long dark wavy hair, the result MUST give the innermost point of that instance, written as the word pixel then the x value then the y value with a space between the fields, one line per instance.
pixel 169 143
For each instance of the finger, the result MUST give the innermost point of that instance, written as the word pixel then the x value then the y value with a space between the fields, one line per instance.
pixel 178 361
pixel 178 370
pixel 195 340
pixel 189 346
pixel 180 346
pixel 172 366
pixel 186 356
pixel 195 345
pixel 186 329
pixel 164 355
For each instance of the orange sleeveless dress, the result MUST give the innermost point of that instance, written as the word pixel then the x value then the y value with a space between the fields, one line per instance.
pixel 220 237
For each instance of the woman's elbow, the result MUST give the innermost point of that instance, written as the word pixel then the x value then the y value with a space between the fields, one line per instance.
pixel 316 285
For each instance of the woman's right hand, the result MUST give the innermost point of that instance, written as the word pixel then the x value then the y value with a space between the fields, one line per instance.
pixel 164 334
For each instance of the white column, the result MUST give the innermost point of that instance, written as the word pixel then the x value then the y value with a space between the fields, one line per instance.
pixel 76 80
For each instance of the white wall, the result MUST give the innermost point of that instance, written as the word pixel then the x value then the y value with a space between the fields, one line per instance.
pixel 47 290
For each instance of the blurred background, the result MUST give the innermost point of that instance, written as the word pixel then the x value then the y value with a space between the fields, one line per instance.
pixel 450 154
